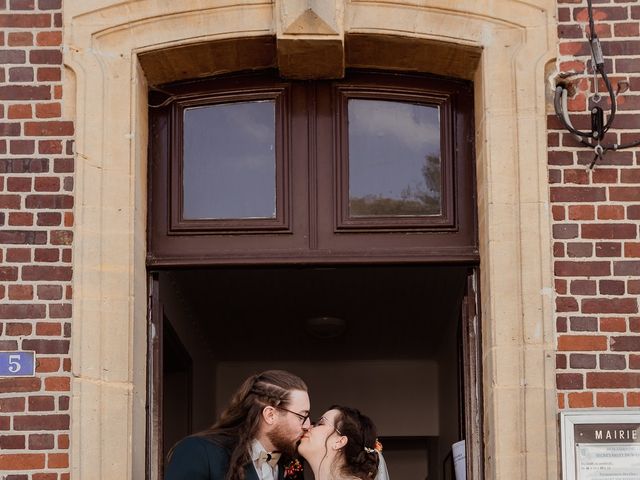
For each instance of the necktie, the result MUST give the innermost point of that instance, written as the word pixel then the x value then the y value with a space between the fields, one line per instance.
pixel 266 463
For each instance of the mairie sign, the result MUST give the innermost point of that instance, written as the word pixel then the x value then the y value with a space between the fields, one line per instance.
pixel 17 364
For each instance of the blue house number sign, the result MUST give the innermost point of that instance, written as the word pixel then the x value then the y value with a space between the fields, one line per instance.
pixel 17 364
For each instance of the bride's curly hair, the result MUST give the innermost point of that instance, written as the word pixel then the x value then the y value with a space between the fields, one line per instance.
pixel 359 458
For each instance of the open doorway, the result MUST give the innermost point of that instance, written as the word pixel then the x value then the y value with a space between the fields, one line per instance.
pixel 388 340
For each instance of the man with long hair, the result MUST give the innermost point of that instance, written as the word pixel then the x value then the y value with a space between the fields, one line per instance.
pixel 254 437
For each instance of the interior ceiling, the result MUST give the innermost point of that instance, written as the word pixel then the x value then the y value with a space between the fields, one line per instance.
pixel 399 312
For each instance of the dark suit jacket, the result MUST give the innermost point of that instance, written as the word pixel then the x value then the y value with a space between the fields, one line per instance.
pixel 201 458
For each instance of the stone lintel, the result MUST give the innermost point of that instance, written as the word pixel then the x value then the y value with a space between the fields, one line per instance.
pixel 311 58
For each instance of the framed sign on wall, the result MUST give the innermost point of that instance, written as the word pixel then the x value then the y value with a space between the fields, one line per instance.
pixel 600 444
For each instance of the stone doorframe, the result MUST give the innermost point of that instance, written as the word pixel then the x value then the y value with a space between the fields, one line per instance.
pixel 106 89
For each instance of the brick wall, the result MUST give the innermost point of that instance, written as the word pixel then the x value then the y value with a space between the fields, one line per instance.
pixel 596 217
pixel 36 219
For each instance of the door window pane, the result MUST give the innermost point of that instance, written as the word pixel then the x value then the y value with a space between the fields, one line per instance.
pixel 229 161
pixel 394 159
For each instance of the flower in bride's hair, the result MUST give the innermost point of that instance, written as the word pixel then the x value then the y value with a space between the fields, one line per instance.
pixel 378 446
pixel 293 470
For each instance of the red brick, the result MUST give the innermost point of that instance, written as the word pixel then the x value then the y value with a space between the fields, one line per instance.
pixel 579 269
pixel 49 146
pixel 630 175
pixel 633 212
pixel 605 175
pixel 20 219
pixel 21 310
pixel 613 324
pixel 48 329
pixel 611 380
pixel 560 286
pixel 612 287
pixel 20 292
pixel 49 219
pixel 624 194
pixel 21 74
pixel 63 165
pixel 49 201
pixel 626 30
pixel 18 329
pixel 609 399
pixel 21 461
pixel 625 344
pixel 608 249
pixel 58 460
pixel 49 74
pixel 632 249
pixel 627 267
pixel 581 212
pixel 50 4
pixel 583 287
pixel 633 399
pixel 41 441
pixel 18 255
pixel 582 361
pixel 43 272
pixel 633 286
pixel 49 292
pixel 15 385
pixel 612 362
pixel 49 39
pixel 569 381
pixel 20 39
pixel 566 304
pixel 578 194
pixel 60 311
pixel 48 110
pixel 610 231
pixel 25 92
pixel 22 4
pixel 561 362
pixel 582 343
pixel 46 184
pixel 560 158
pixel 63 441
pixel 41 346
pixel 19 184
pixel 575 176
pixel 41 422
pixel 57 384
pixel 558 212
pixel 12 404
pixel 41 403
pixel 22 147
pixel 12 442
pixel 46 255
pixel 583 324
pixel 10 201
pixel 47 365
pixel 561 402
pixel 50 128
pixel 61 237
pixel 8 274
pixel 610 212
pixel 609 305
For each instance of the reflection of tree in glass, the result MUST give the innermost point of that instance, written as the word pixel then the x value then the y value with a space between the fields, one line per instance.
pixel 421 198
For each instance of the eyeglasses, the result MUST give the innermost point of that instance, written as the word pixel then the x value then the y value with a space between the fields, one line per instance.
pixel 324 421
pixel 303 418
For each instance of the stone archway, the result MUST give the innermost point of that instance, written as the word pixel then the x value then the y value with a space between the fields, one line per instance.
pixel 504 46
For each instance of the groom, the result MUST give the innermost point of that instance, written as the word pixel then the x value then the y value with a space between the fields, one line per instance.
pixel 255 438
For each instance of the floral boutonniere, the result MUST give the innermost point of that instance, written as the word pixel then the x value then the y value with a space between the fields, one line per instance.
pixel 293 470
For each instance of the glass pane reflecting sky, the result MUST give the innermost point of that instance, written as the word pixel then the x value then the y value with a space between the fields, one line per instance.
pixel 394 158
pixel 230 161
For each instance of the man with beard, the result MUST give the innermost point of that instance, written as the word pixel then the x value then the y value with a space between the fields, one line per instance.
pixel 255 437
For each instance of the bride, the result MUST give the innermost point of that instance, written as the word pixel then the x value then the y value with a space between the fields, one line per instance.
pixel 342 445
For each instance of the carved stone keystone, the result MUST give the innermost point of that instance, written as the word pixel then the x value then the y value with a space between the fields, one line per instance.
pixel 310 38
